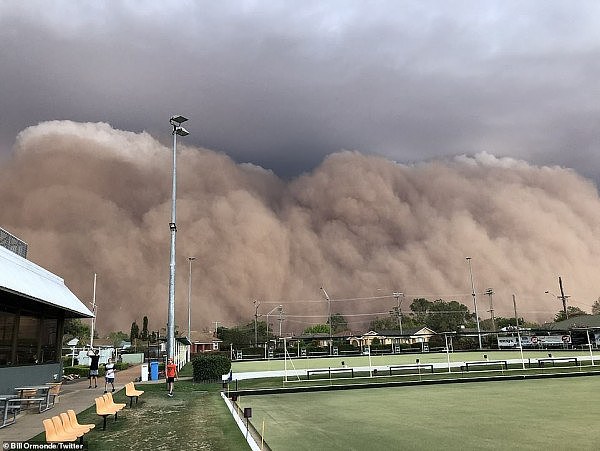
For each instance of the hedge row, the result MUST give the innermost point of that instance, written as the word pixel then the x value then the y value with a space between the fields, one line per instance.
pixel 210 367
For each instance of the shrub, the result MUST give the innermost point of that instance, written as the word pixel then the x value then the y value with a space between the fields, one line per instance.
pixel 210 367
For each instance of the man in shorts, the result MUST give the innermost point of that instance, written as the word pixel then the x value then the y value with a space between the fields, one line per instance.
pixel 171 373
pixel 94 361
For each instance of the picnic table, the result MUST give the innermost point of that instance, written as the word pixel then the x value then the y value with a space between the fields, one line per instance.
pixel 10 404
pixel 43 400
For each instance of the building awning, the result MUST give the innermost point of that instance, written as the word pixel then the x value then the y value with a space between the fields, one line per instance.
pixel 24 278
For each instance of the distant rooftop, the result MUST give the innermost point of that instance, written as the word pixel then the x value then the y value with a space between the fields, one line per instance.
pixel 12 243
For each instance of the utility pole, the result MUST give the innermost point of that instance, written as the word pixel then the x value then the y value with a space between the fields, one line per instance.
pixel 256 304
pixel 474 301
pixel 563 297
pixel 490 292
pixel 329 313
pixel 280 309
pixel 398 309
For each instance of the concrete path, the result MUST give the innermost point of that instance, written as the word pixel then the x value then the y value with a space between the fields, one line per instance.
pixel 73 395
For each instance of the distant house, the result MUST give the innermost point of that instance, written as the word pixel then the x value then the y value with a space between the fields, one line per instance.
pixel 204 342
pixel 393 337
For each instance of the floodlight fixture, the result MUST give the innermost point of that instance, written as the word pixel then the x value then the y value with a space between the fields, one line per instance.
pixel 181 131
pixel 178 119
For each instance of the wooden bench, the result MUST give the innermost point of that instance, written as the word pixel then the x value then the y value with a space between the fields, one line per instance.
pixel 329 371
pixel 131 392
pixel 553 360
pixel 502 363
pixel 412 367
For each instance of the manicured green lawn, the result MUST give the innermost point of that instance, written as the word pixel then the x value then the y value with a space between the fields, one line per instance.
pixel 558 414
pixel 398 359
pixel 196 418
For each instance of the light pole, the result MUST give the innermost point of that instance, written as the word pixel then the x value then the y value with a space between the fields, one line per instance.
pixel 271 311
pixel 474 300
pixel 490 293
pixel 176 122
pixel 329 320
pixel 189 334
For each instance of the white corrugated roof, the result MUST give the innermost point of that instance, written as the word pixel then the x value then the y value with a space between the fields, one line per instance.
pixel 24 277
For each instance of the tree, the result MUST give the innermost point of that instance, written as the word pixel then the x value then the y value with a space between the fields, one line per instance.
pixel 75 328
pixel 439 315
pixel 596 307
pixel 135 332
pixel 572 311
pixel 117 337
pixel 317 329
pixel 338 323
pixel 385 323
pixel 144 335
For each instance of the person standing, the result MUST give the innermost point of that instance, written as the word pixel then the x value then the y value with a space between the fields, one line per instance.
pixel 94 356
pixel 171 373
pixel 109 375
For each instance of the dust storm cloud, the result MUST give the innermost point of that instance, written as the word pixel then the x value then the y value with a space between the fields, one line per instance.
pixel 91 199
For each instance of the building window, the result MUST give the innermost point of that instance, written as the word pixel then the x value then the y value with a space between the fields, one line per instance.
pixel 49 337
pixel 27 340
pixel 7 323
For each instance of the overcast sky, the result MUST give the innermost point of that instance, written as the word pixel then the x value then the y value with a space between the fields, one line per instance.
pixel 284 83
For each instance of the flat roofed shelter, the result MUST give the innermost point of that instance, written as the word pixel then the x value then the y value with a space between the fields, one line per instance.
pixel 34 304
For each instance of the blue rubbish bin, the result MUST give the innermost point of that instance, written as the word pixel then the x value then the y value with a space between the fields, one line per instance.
pixel 153 371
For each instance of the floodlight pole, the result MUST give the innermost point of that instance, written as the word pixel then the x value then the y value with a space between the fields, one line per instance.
pixel 176 122
pixel 474 301
pixel 272 310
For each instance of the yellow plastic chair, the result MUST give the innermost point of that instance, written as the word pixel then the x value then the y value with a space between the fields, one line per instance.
pixel 52 436
pixel 73 417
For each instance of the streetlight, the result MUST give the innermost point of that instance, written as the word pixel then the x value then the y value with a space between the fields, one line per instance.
pixel 189 334
pixel 329 309
pixel 271 311
pixel 490 293
pixel 176 122
pixel 474 300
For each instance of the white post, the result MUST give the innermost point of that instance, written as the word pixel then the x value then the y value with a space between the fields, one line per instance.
pixel 447 352
pixel 587 331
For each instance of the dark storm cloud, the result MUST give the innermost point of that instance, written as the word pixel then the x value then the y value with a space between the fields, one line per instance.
pixel 284 84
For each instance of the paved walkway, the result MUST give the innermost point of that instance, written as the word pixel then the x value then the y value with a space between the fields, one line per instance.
pixel 73 395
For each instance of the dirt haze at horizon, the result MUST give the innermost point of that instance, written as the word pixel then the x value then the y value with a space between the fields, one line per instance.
pixel 91 199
